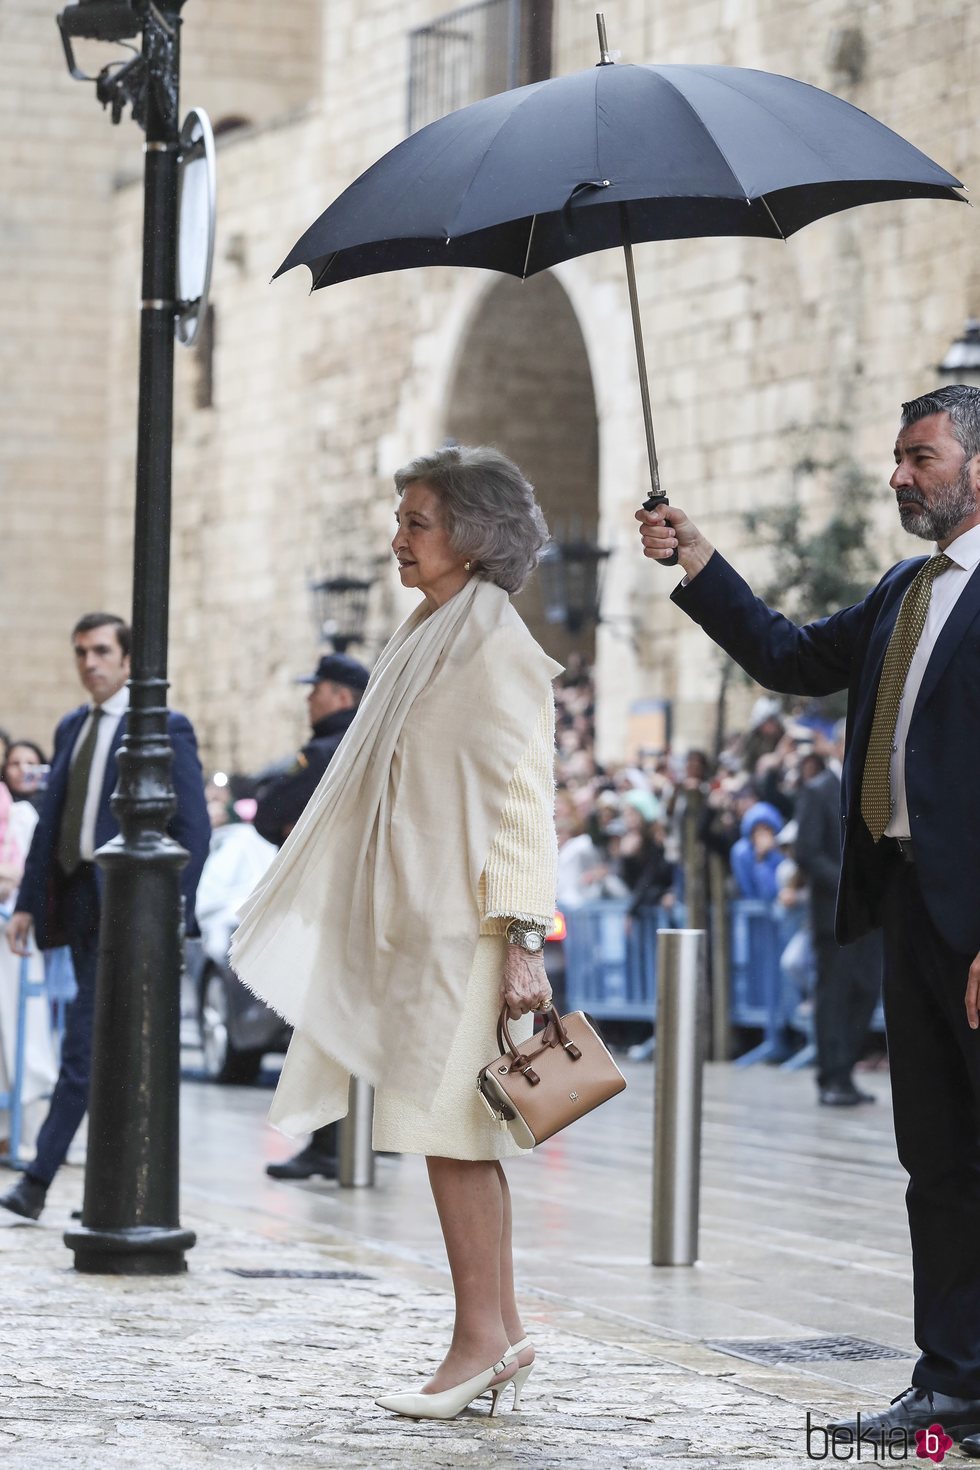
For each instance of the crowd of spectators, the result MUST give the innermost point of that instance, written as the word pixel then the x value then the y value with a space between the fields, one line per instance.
pixel 624 829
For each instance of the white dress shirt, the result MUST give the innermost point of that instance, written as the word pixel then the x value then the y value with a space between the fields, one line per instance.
pixel 112 712
pixel 946 591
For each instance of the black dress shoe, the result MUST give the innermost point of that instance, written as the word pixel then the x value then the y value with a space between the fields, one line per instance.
pixel 971 1445
pixel 839 1097
pixel 844 1094
pixel 305 1165
pixel 26 1199
pixel 916 1408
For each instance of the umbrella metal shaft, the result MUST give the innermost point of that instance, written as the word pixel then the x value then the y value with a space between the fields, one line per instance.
pixel 641 362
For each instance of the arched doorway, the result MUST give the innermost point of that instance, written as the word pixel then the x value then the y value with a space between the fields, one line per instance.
pixel 523 384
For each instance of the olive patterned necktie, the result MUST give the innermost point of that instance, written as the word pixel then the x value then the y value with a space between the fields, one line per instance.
pixel 876 786
pixel 76 794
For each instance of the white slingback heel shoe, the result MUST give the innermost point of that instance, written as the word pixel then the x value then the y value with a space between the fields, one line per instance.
pixel 451 1401
pixel 519 1379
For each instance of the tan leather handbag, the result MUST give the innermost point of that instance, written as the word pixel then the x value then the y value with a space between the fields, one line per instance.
pixel 556 1076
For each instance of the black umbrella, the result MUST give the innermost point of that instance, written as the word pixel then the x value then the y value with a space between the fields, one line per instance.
pixel 607 157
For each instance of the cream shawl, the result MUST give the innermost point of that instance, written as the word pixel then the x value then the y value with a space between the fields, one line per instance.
pixel 363 932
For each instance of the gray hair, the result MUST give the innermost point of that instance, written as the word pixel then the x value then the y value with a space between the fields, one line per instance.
pixel 960 402
pixel 488 509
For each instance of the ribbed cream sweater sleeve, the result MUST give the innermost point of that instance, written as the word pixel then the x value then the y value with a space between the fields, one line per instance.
pixel 520 876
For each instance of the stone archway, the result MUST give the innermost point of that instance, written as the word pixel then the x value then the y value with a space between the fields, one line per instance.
pixel 523 384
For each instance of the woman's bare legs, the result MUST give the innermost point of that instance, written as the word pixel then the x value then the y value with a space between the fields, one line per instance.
pixel 471 1206
pixel 508 1301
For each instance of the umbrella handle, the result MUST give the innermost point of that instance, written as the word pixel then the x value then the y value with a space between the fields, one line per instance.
pixel 656 497
pixel 653 502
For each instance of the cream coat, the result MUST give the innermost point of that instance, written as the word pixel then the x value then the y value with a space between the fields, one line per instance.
pixel 365 928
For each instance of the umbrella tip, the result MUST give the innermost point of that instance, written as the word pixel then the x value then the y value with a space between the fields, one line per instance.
pixel 604 58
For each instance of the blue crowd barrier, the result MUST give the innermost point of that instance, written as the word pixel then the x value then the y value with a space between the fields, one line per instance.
pixel 59 978
pixel 56 990
pixel 611 959
pixel 611 970
pixel 758 939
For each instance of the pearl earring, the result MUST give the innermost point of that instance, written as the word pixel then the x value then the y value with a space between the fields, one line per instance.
pixel 467 566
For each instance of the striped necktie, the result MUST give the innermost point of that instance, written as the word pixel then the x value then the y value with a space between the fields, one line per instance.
pixel 76 794
pixel 876 787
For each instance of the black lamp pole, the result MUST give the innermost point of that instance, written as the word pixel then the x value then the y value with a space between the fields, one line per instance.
pixel 130 1217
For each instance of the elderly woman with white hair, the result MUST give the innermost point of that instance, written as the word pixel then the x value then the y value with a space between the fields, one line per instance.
pixel 412 899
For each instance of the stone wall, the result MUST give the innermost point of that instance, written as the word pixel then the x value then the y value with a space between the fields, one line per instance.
pixel 762 355
pixel 56 173
pixel 69 287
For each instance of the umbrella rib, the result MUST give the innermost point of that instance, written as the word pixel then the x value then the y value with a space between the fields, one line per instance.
pixel 595 112
pixel 799 137
pixel 704 128
pixel 527 254
pixel 326 270
pixel 765 204
pixel 532 90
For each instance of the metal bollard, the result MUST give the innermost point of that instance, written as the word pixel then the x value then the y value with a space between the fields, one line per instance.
pixel 356 1154
pixel 681 957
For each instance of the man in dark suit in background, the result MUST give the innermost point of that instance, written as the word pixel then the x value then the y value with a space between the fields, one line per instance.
pixel 60 892
pixel 909 656
pixel 336 686
pixel 335 689
pixel 848 976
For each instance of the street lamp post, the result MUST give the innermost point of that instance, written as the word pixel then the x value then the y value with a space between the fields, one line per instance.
pixel 341 606
pixel 962 360
pixel 571 582
pixel 130 1218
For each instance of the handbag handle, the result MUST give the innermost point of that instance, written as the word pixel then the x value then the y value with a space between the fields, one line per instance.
pixel 558 1037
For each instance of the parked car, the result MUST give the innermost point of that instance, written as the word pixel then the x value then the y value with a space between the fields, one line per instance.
pixel 236 1029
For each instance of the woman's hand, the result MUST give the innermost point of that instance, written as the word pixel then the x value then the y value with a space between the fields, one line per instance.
pixel 524 986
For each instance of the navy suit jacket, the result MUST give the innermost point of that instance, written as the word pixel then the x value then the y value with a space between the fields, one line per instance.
pixel 42 883
pixel 818 847
pixel 942 770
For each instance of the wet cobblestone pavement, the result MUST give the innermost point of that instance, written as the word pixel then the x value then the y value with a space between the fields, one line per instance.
pixel 215 1369
pixel 802 1237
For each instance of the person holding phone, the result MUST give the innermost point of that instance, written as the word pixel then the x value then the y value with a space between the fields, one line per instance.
pixel 25 772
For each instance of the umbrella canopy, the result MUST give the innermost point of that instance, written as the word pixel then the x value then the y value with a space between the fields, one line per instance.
pixel 607 157
pixel 580 163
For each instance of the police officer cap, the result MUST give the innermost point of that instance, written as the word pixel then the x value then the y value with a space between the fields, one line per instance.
pixel 339 668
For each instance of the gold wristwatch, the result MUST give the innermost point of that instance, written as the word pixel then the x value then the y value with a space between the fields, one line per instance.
pixel 529 936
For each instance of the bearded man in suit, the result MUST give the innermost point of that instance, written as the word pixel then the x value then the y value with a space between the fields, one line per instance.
pixel 909 656
pixel 59 894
